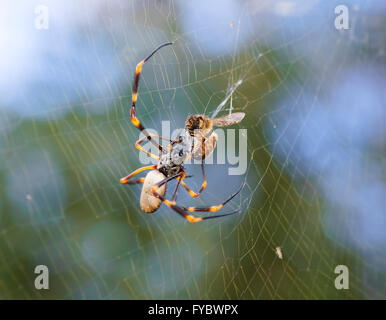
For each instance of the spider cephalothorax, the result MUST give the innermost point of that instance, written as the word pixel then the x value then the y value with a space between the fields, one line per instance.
pixel 171 162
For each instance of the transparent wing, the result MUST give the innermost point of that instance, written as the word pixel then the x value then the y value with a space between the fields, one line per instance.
pixel 230 92
pixel 228 119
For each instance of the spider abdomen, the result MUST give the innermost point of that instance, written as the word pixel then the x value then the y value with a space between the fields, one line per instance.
pixel 148 202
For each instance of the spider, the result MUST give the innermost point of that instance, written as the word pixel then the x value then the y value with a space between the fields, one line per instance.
pixel 197 141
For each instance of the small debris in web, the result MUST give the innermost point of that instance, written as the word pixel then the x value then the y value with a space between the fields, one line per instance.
pixel 279 253
pixel 232 24
pixel 29 197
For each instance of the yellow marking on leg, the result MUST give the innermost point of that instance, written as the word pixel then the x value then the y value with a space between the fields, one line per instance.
pixel 134 98
pixel 216 208
pixel 190 218
pixel 168 203
pixel 187 157
pixel 191 192
pixel 135 121
pixel 127 178
pixel 139 67
pixel 140 148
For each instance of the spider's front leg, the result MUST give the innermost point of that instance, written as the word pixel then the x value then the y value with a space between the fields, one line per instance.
pixel 140 148
pixel 136 181
pixel 126 179
pixel 134 119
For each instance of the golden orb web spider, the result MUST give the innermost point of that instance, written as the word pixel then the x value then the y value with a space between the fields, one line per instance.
pixel 197 141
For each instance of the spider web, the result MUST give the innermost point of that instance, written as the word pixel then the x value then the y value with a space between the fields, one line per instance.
pixel 313 169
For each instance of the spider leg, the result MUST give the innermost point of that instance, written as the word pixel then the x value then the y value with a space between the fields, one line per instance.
pixel 204 183
pixel 203 186
pixel 134 119
pixel 174 197
pixel 212 208
pixel 179 177
pixel 177 186
pixel 140 180
pixel 181 210
pixel 191 218
pixel 126 179
pixel 140 148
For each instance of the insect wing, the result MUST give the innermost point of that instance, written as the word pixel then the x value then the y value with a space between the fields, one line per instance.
pixel 228 119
